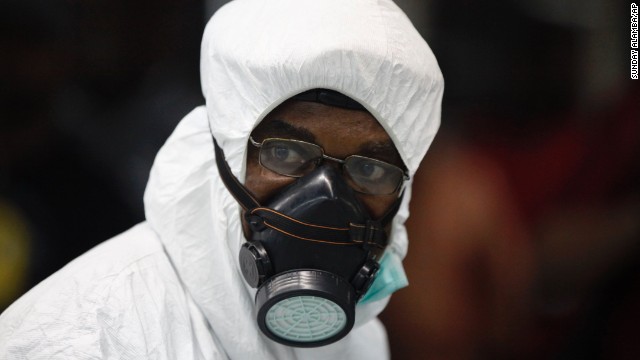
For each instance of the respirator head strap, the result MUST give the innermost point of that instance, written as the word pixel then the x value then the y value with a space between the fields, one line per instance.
pixel 317 233
pixel 239 192
pixel 373 232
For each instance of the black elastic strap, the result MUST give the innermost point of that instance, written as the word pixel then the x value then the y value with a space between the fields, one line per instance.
pixel 239 192
pixel 355 234
pixel 373 233
pixel 329 97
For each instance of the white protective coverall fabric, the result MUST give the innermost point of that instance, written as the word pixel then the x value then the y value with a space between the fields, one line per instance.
pixel 170 288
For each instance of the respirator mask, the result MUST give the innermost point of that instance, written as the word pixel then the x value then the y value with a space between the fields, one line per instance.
pixel 313 250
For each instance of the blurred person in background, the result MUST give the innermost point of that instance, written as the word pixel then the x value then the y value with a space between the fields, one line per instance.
pixel 527 207
pixel 90 93
pixel 51 192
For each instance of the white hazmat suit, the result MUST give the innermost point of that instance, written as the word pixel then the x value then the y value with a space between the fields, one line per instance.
pixel 171 288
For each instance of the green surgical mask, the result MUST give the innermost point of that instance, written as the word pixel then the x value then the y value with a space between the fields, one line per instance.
pixel 390 278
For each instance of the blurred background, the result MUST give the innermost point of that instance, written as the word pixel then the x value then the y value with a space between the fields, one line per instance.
pixel 525 218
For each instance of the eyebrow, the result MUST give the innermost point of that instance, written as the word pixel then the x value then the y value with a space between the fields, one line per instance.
pixel 281 129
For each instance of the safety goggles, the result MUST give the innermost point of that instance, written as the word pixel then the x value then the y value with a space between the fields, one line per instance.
pixel 297 158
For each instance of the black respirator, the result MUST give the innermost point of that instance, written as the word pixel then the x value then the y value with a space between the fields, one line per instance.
pixel 312 255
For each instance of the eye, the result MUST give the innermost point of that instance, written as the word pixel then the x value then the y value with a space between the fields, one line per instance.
pixel 289 157
pixel 286 153
pixel 372 176
pixel 368 170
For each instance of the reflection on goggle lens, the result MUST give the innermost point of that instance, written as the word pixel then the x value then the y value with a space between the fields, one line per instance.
pixel 296 158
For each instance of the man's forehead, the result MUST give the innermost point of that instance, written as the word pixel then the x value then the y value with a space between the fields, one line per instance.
pixel 278 127
pixel 307 119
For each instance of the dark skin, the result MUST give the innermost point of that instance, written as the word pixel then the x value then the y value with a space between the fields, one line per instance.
pixel 341 132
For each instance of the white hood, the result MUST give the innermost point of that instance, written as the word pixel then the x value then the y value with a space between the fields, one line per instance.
pixel 255 55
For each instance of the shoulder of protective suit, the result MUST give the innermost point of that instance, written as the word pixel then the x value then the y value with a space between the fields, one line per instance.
pixel 121 299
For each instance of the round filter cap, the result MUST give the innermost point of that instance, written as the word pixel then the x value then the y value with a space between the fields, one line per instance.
pixel 305 318
pixel 318 311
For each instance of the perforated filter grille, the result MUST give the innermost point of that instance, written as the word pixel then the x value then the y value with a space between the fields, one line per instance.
pixel 305 319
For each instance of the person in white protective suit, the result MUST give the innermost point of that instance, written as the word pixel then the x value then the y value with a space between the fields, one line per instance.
pixel 274 213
